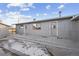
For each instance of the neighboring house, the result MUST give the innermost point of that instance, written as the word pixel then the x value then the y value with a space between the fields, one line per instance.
pixel 4 30
pixel 63 27
pixel 2 25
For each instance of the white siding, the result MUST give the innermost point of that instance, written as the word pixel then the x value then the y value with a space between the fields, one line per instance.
pixel 66 29
pixel 43 31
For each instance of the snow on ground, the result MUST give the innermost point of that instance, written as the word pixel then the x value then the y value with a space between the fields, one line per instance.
pixel 4 52
pixel 28 48
pixel 1 52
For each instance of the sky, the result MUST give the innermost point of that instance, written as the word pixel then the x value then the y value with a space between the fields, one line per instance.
pixel 10 13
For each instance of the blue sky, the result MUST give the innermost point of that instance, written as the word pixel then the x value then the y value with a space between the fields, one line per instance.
pixel 10 12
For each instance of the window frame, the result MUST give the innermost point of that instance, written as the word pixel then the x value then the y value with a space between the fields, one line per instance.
pixel 36 26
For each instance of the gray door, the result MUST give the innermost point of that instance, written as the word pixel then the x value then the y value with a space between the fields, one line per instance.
pixel 54 28
pixel 22 29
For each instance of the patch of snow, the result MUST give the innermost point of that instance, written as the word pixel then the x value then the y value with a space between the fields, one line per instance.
pixel 4 53
pixel 17 46
pixel 1 52
pixel 34 51
pixel 11 41
pixel 5 45
pixel 28 48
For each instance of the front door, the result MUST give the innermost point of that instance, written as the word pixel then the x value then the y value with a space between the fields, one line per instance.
pixel 22 29
pixel 54 28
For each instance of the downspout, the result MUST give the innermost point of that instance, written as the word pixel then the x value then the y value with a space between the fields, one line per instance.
pixel 51 29
pixel 57 28
pixel 24 29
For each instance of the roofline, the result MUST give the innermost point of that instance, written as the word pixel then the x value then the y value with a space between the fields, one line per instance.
pixel 54 19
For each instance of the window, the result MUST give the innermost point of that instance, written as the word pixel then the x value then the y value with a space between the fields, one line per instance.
pixel 54 26
pixel 36 26
pixel 21 26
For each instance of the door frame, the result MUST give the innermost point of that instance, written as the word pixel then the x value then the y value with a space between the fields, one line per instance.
pixel 56 23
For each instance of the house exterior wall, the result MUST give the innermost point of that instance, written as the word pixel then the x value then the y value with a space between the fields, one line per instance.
pixel 18 30
pixel 44 26
pixel 46 29
pixel 68 29
pixel 65 29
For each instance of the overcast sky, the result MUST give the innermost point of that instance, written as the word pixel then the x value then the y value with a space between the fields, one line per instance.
pixel 10 12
